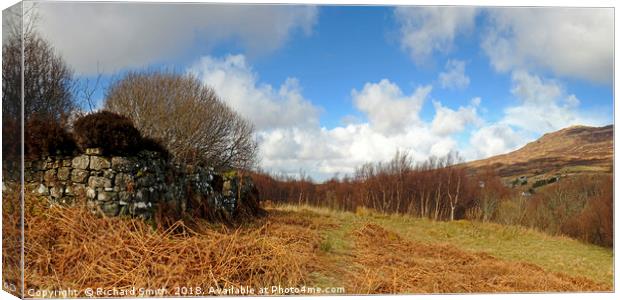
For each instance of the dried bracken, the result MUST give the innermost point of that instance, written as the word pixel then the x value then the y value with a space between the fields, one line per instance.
pixel 70 249
pixel 390 264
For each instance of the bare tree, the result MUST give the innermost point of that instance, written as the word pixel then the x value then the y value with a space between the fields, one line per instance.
pixel 48 80
pixel 186 116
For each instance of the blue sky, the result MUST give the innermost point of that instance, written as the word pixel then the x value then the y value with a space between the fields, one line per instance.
pixel 331 87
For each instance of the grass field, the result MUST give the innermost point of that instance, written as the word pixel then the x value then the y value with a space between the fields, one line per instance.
pixel 354 253
pixel 507 243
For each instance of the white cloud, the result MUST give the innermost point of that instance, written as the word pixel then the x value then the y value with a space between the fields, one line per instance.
pixel 573 42
pixel 388 110
pixel 448 121
pixel 393 124
pixel 267 107
pixel 291 138
pixel 432 28
pixel 454 76
pixel 122 35
pixel 544 106
pixel 494 139
pixel 323 152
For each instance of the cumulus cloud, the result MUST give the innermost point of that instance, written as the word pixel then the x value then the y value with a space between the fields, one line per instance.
pixel 433 28
pixel 494 139
pixel 291 138
pixel 393 124
pixel 448 121
pixel 323 152
pixel 387 108
pixel 121 35
pixel 454 75
pixel 572 42
pixel 544 105
pixel 267 107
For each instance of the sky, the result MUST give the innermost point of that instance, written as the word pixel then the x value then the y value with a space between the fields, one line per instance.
pixel 329 88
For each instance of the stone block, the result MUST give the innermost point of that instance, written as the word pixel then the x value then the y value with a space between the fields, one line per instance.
pixel 110 209
pixel 42 190
pixel 122 164
pixel 79 175
pixel 99 182
pixel 123 180
pixel 64 173
pixel 99 163
pixel 69 190
pixel 57 191
pixel 96 173
pixel 94 151
pixel 125 197
pixel 105 196
pixel 77 189
pixel 91 193
pixel 80 162
pixel 109 173
pixel 50 176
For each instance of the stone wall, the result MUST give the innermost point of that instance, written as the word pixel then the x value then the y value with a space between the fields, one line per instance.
pixel 133 186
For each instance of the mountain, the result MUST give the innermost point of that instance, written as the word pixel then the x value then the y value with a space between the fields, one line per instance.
pixel 572 150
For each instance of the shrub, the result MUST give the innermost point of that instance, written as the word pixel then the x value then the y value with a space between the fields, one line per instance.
pixel 10 139
pixel 511 211
pixel 539 183
pixel 194 124
pixel 45 136
pixel 152 144
pixel 113 133
pixel 594 224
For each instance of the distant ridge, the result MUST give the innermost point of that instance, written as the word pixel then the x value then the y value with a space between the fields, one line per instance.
pixel 572 150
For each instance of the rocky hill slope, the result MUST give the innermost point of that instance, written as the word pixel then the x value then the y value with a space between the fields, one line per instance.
pixel 572 150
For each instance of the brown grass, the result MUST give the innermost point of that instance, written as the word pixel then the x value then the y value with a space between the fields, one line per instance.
pixel 11 242
pixel 67 248
pixel 389 264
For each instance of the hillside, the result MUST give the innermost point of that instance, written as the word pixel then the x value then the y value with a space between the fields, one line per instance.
pixel 572 150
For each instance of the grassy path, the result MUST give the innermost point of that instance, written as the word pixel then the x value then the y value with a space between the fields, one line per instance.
pixel 339 250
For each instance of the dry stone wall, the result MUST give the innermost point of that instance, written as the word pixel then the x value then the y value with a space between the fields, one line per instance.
pixel 132 186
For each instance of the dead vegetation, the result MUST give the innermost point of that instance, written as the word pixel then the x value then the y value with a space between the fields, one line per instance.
pixel 68 248
pixel 389 264
pixel 11 241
